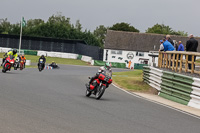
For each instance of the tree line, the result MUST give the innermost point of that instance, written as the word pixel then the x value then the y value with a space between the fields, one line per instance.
pixel 58 26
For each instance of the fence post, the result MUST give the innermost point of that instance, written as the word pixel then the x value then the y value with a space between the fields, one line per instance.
pixel 181 60
pixel 163 61
pixel 170 55
pixel 186 64
pixel 177 55
pixel 166 61
pixel 159 57
pixel 173 61
pixel 192 64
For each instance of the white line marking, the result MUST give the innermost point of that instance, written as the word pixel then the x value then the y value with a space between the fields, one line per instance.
pixel 184 112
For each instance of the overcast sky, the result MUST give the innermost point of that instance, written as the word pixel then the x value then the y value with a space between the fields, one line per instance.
pixel 181 15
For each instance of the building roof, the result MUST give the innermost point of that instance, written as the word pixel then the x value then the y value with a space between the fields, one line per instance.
pixel 133 41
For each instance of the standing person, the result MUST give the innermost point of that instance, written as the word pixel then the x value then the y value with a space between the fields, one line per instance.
pixel 169 39
pixel 176 46
pixel 161 46
pixel 180 46
pixel 191 45
pixel 167 45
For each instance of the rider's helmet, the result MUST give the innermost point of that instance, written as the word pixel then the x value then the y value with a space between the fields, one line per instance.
pixel 108 65
pixel 14 51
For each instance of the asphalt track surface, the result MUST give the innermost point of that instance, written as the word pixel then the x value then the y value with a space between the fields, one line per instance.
pixel 53 101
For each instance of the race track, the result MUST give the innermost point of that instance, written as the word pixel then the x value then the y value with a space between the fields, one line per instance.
pixel 53 101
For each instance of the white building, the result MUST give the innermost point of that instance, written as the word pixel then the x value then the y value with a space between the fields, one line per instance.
pixel 123 47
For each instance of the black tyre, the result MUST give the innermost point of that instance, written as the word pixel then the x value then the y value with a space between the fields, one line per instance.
pixel 100 92
pixel 5 69
pixel 40 67
pixel 88 93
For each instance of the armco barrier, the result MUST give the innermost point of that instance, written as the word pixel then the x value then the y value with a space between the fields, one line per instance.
pixel 86 58
pixel 114 64
pixel 176 87
pixel 30 52
pixel 40 53
pixel 5 50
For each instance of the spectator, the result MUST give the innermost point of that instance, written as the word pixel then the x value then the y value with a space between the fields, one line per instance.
pixel 175 45
pixel 161 46
pixel 191 45
pixel 169 39
pixel 180 46
pixel 167 45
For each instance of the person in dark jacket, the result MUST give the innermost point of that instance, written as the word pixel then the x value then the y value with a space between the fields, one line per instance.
pixel 169 39
pixel 191 45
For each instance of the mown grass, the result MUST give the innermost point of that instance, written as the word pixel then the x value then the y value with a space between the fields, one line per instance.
pixel 34 60
pixel 131 80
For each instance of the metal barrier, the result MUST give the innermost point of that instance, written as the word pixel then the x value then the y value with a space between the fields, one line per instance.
pixel 176 87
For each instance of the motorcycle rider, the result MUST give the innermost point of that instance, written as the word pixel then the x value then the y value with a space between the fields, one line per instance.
pixel 23 58
pixel 103 69
pixel 44 60
pixel 13 52
pixel 53 64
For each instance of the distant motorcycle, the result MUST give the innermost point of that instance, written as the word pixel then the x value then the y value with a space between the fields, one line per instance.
pixel 41 65
pixel 22 64
pixel 98 86
pixel 8 63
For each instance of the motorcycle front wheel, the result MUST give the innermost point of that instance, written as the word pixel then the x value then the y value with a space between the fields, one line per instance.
pixel 100 92
pixel 5 69
pixel 88 93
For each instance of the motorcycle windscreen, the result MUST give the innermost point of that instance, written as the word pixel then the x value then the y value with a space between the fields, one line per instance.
pixel 41 60
pixel 11 57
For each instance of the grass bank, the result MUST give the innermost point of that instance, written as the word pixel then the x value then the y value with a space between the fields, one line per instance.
pixel 34 60
pixel 132 81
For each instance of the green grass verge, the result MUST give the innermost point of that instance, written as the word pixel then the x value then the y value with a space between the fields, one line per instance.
pixel 34 59
pixel 131 80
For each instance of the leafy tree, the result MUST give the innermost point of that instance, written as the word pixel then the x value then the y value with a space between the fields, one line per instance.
pixel 4 26
pixel 57 26
pixel 100 33
pixel 160 29
pixel 163 29
pixel 78 25
pixel 123 27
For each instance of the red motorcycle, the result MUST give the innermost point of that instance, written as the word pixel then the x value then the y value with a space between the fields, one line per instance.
pixel 8 63
pixel 98 86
